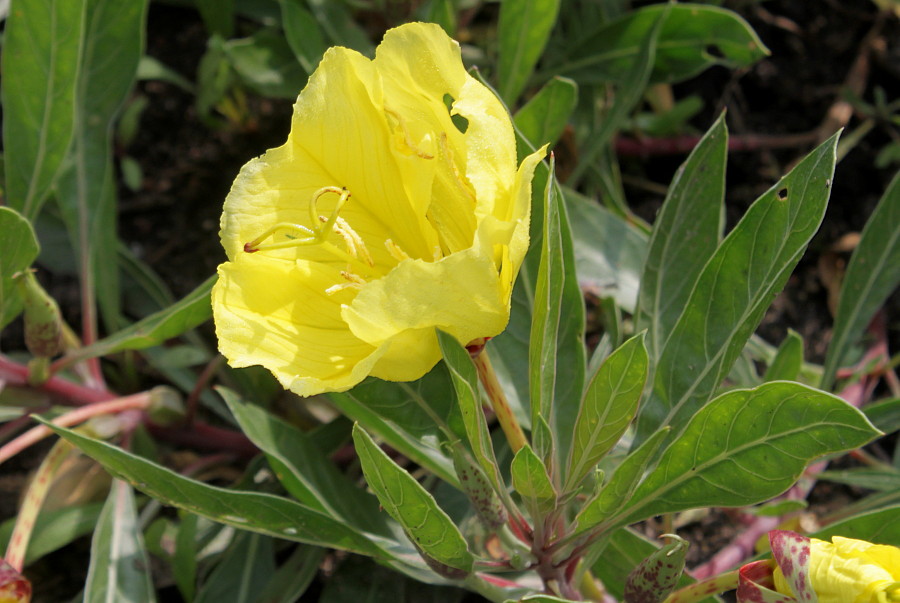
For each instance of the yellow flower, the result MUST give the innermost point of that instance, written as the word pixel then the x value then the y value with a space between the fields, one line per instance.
pixel 850 571
pixel 395 207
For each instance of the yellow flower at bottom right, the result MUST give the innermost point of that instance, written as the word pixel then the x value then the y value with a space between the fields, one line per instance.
pixel 846 570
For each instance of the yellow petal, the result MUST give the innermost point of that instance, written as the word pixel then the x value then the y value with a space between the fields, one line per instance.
pixel 275 313
pixel 847 571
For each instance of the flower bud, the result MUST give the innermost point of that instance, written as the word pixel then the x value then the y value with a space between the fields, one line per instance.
pixel 658 574
pixel 43 323
pixel 14 588
pixel 475 484
pixel 166 406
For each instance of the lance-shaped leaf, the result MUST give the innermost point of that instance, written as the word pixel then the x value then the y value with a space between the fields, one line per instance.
pixel 747 446
pixel 530 479
pixel 658 574
pixel 792 553
pixel 685 234
pixel 18 249
pixel 788 360
pixel 607 407
pixel 41 52
pixel 522 34
pixel 556 360
pixel 734 290
pixel 873 273
pixel 404 499
pixel 545 115
pixel 622 484
pixel 119 568
pixel 254 511
pixel 755 584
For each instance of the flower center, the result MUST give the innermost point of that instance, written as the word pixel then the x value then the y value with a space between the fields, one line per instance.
pixel 354 252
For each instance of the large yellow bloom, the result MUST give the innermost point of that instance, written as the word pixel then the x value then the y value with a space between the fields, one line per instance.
pixel 850 571
pixel 395 207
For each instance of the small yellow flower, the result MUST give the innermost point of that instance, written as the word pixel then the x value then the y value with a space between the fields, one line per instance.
pixel 850 571
pixel 395 207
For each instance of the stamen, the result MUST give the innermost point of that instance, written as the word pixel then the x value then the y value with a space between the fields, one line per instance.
pixel 407 139
pixel 447 155
pixel 352 238
pixel 311 235
pixel 395 251
pixel 436 253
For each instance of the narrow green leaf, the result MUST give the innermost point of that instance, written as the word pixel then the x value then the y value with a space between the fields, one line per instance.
pixel 530 479
pixel 881 480
pixel 558 309
pixel 788 360
pixel 120 568
pixel 184 561
pixel 243 571
pixel 629 91
pixel 747 446
pixel 609 252
pixel 873 273
pixel 338 25
pixel 304 470
pixel 734 290
pixel 404 499
pixel 545 115
pixel 442 12
pixel 54 529
pixel 465 383
pixel 254 511
pixel 685 234
pixel 111 43
pixel 18 249
pixel 619 488
pixel 191 311
pixel 265 62
pixel 294 575
pixel 218 16
pixel 881 526
pixel 396 413
pixel 302 33
pixel 40 67
pixel 694 38
pixel 609 404
pixel 523 31
pixel 885 415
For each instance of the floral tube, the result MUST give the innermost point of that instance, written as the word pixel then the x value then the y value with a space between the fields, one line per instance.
pixel 394 208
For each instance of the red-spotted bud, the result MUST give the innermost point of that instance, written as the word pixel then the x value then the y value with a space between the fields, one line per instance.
pixel 474 483
pixel 14 588
pixel 658 574
pixel 43 322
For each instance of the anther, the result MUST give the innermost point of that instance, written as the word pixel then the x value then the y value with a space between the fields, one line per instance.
pixel 395 251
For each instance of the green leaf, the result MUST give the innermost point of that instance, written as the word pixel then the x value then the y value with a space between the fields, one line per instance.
pixel 191 311
pixel 243 571
pixel 54 529
pixel 747 446
pixel 337 23
pixel 254 511
pixel 609 404
pixel 18 249
pixel 545 115
pixel 218 16
pixel 404 499
pixel 266 63
pixel 112 42
pixel 685 234
pixel 788 360
pixel 397 413
pixel 295 575
pixel 885 415
pixel 184 561
pixel 530 479
pixel 609 252
pixel 522 33
pixel 119 568
pixel 734 290
pixel 465 383
pixel 873 273
pixel 694 37
pixel 556 295
pixel 619 488
pixel 883 480
pixel 629 91
pixel 302 33
pixel 40 67
pixel 304 470
pixel 881 526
